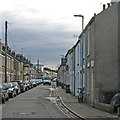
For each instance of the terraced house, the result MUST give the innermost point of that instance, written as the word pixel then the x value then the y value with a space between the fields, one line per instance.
pixel 96 58
pixel 0 63
pixel 18 67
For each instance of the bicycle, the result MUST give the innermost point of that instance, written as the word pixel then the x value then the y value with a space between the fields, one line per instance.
pixel 80 95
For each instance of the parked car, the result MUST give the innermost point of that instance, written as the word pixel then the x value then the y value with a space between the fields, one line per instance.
pixel 4 94
pixel 54 80
pixel 40 80
pixel 26 84
pixel 10 88
pixel 37 82
pixel 16 87
pixel 115 102
pixel 21 85
pixel 30 84
pixel 33 83
pixel 47 80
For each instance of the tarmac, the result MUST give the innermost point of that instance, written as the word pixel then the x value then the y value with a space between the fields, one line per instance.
pixel 82 109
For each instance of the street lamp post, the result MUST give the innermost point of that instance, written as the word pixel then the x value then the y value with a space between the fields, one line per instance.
pixel 81 92
pixel 6 23
pixel 82 20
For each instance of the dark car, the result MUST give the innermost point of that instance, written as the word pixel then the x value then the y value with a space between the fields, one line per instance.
pixel 21 85
pixel 37 81
pixel 10 89
pixel 40 80
pixel 16 87
pixel 33 83
pixel 26 84
pixel 30 84
pixel 115 102
pixel 4 94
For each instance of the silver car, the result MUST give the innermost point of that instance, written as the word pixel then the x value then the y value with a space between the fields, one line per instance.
pixel 16 87
pixel 10 89
pixel 47 80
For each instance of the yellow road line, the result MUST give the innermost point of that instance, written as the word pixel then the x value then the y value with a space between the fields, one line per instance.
pixel 62 111
pixel 69 116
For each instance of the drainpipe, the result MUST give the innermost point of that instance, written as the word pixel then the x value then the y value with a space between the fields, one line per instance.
pixel 74 71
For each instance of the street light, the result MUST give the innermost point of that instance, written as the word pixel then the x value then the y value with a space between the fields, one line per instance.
pixel 82 53
pixel 82 20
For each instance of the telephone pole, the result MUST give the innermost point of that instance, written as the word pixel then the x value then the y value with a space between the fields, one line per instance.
pixel 38 64
pixel 6 51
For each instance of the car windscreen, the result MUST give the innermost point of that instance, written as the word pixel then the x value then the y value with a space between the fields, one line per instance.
pixel 19 82
pixel 47 78
pixel 3 87
pixel 14 83
pixel 25 82
pixel 7 85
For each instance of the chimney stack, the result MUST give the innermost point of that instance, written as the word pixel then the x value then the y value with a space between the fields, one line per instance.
pixel 108 5
pixel 13 53
pixel 103 6
pixel 94 14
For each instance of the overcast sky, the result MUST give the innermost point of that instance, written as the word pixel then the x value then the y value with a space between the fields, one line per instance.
pixel 44 29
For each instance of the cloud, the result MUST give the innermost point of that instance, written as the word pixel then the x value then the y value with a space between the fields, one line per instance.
pixel 45 28
pixel 40 40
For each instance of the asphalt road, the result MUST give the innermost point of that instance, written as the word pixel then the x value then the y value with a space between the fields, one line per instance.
pixel 35 103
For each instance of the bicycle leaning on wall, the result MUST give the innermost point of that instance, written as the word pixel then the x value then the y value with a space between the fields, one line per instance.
pixel 80 95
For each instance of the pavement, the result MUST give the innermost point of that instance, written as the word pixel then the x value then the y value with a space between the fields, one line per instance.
pixel 84 110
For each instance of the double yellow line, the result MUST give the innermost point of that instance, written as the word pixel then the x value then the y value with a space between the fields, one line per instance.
pixel 61 109
pixel 67 114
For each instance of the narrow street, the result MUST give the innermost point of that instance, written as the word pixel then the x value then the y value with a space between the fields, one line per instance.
pixel 34 103
pixel 60 59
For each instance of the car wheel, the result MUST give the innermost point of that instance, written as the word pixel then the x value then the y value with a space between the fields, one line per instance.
pixel 12 95
pixel 17 92
pixel 3 101
pixel 27 89
pixel 7 98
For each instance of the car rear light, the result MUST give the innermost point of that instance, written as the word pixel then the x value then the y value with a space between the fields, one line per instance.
pixel 21 85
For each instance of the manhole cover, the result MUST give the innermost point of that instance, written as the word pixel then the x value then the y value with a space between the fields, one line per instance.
pixel 22 113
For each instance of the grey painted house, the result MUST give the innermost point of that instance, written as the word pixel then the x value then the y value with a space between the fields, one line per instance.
pixel 100 42
pixel 103 55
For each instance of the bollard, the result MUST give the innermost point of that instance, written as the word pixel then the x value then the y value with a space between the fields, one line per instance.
pixel 118 111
